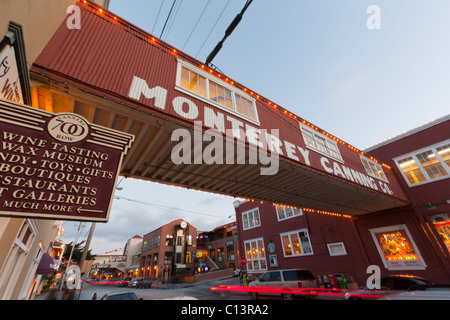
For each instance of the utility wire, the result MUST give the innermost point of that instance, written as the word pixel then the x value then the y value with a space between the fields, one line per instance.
pixel 165 207
pixel 157 17
pixel 168 16
pixel 212 28
pixel 228 32
pixel 198 20
pixel 173 20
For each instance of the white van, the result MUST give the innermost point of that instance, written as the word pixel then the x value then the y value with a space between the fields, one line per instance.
pixel 278 282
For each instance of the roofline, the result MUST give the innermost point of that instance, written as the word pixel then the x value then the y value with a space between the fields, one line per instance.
pixel 408 133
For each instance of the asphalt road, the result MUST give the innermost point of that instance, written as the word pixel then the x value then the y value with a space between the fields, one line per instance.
pixel 196 291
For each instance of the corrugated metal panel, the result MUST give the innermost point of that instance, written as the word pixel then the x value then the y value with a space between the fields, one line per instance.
pixel 105 56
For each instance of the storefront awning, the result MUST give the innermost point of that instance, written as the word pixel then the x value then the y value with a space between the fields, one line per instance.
pixel 46 265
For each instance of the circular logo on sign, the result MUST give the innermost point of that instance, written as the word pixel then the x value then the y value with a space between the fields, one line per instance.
pixel 68 127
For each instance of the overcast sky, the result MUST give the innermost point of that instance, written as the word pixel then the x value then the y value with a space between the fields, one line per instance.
pixel 317 58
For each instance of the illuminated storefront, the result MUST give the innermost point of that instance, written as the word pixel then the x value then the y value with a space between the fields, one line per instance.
pixel 442 224
pixel 397 248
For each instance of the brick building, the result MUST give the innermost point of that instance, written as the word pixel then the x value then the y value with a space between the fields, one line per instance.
pixel 167 252
pixel 218 249
pixel 413 239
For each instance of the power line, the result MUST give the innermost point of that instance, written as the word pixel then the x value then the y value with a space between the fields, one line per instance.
pixel 165 207
pixel 212 28
pixel 168 16
pixel 228 32
pixel 157 17
pixel 173 20
pixel 198 20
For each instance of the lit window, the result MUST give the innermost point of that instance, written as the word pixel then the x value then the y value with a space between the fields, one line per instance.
pixel 287 212
pixel 193 82
pixel 426 165
pixel 251 219
pixel 219 94
pixel 255 254
pixel 320 143
pixel 396 248
pixel 373 169
pixel 296 243
pixel 442 224
pixel 204 86
pixel 431 164
pixel 444 152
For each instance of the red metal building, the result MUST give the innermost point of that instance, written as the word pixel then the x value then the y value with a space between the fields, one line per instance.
pixel 409 240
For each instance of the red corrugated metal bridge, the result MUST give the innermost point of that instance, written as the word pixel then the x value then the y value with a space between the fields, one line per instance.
pixel 119 76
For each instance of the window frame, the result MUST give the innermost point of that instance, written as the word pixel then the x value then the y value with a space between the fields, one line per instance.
pixel 234 91
pixel 398 265
pixel 246 213
pixel 293 255
pixel 377 166
pixel 311 138
pixel 336 244
pixel 300 212
pixel 251 259
pixel 413 156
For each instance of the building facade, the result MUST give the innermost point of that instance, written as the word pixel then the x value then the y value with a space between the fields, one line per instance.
pixel 110 265
pixel 412 240
pixel 24 243
pixel 218 249
pixel 132 251
pixel 167 252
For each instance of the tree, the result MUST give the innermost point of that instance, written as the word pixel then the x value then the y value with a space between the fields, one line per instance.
pixel 76 254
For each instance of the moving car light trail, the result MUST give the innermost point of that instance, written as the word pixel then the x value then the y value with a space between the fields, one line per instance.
pixel 305 292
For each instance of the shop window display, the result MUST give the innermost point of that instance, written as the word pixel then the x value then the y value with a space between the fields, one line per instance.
pixel 397 248
pixel 442 224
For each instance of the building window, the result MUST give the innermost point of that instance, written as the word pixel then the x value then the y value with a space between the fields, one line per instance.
pixel 200 84
pixel 426 165
pixel 193 82
pixel 296 243
pixel 169 240
pixel 168 257
pixel 284 212
pixel 373 169
pixel 320 143
pixel 397 249
pixel 250 219
pixel 442 224
pixel 255 254
pixel 336 249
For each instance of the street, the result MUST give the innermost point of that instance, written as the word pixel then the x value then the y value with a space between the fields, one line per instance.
pixel 188 291
pixel 196 291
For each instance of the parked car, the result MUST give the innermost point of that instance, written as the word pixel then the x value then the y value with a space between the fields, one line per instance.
pixel 123 282
pixel 422 292
pixel 144 283
pixel 236 273
pixel 129 295
pixel 132 283
pixel 283 283
pixel 388 285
